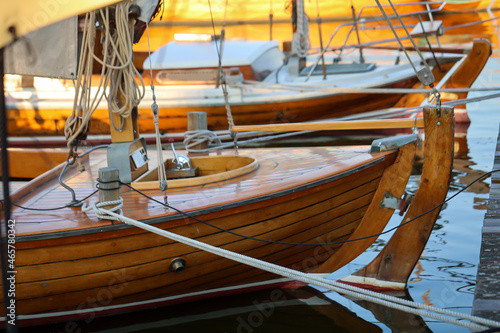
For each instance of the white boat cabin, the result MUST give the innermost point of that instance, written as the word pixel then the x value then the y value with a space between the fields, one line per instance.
pixel 197 62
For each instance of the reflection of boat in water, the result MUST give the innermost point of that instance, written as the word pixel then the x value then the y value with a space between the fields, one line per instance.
pixel 276 310
pixel 395 320
pixel 463 170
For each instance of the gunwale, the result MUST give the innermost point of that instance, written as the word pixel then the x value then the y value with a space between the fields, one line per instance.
pixel 30 227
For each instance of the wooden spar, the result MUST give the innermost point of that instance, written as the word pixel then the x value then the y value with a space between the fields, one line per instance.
pixel 337 125
pixel 396 261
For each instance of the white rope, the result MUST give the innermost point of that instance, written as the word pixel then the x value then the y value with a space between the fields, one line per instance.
pixel 127 95
pixel 117 66
pixel 197 137
pixel 386 300
pixel 300 38
pixel 103 213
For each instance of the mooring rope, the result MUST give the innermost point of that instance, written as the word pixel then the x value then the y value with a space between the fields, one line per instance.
pixel 476 323
pixel 102 214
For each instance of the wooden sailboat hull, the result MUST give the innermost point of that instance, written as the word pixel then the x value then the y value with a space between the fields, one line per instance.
pixel 26 119
pixel 44 114
pixel 54 276
pixel 70 263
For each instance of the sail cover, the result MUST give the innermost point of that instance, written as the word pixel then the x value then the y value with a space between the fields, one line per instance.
pixel 51 51
pixel 25 16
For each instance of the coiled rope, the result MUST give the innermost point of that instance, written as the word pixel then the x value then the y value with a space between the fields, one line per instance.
pixel 117 66
pixel 101 213
pixel 197 137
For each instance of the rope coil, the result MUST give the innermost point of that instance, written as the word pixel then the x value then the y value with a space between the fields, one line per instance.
pixel 197 137
pixel 117 66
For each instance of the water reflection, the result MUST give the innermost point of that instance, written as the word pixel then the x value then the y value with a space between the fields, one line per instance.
pixel 277 310
pixel 396 320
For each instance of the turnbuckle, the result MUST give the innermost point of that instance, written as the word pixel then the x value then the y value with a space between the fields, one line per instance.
pixel 437 96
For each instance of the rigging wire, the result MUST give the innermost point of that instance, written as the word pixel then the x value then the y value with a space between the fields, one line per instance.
pixel 162 175
pixel 223 83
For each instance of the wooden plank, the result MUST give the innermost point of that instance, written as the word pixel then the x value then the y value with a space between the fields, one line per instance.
pixel 337 125
pixel 487 292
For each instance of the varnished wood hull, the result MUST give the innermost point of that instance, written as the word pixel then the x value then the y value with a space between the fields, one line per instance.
pixel 53 275
pixel 28 163
pixel 24 120
pixel 70 263
pixel 45 115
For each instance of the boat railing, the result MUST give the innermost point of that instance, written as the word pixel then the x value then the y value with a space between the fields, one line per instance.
pixel 363 22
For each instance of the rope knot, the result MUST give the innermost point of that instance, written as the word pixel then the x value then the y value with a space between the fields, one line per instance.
pixel 103 215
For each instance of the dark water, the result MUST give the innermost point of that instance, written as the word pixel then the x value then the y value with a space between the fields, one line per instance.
pixel 444 276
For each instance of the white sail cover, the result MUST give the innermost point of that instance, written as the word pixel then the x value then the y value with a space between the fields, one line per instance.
pixel 51 51
pixel 25 16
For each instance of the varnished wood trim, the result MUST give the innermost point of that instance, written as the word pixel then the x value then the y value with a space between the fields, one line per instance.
pixel 398 258
pixel 393 181
pixel 337 125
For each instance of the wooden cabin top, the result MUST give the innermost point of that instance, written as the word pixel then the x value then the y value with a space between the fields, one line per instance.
pixel 279 170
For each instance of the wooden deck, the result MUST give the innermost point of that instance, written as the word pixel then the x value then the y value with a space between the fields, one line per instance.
pixel 282 169
pixel 487 294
